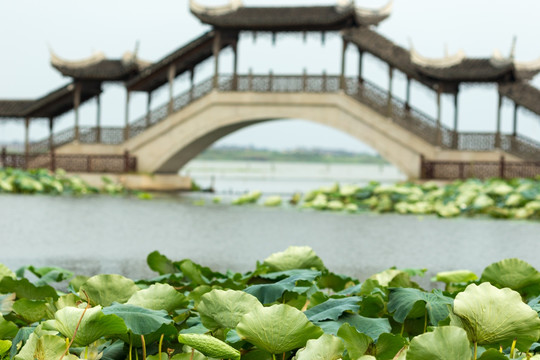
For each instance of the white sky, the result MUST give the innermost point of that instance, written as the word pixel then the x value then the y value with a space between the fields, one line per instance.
pixel 74 29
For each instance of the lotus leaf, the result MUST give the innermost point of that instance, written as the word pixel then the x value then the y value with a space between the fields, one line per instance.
pixel 6 303
pixel 492 354
pixel 513 273
pixel 160 263
pixel 370 326
pixel 385 277
pixel 355 342
pixel 25 289
pixel 272 201
pixel 326 347
pixel 332 309
pixel 389 345
pixel 159 297
pixel 224 309
pixel 268 293
pixel 30 310
pixel 444 343
pixel 295 257
pixel 5 345
pixel 209 346
pixel 138 320
pixel 105 289
pixel 456 276
pixel 277 329
pixel 8 329
pixel 5 271
pixel 496 316
pixel 93 325
pixel 402 301
pixel 46 347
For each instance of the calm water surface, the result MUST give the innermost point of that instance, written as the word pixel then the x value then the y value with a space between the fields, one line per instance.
pixel 114 235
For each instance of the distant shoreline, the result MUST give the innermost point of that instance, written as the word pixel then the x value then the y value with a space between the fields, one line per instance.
pixel 299 155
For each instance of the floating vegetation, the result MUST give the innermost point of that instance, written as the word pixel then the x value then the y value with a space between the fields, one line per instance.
pixel 290 306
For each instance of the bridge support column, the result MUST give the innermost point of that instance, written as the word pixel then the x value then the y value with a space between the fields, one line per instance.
pixel 126 121
pixel 439 132
pixel 98 119
pixel 148 107
pixel 324 81
pixel 172 73
pixel 76 103
pixel 360 63
pixel 514 126
pixel 499 115
pixel 26 141
pixel 390 83
pixel 51 140
pixel 215 49
pixel 456 116
pixel 235 65
pixel 342 76
pixel 408 95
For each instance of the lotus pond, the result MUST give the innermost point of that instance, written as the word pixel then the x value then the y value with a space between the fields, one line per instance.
pixel 290 306
pixel 509 199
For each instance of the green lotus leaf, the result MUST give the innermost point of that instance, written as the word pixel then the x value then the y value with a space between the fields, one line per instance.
pixel 94 324
pixel 493 354
pixel 139 320
pixel 46 347
pixel 46 274
pixel 385 277
pixel 402 301
pixel 355 342
pixel 277 329
pixel 160 263
pixel 295 257
pixel 159 297
pixel 187 356
pixel 25 289
pixel 6 303
pixel 105 289
pixel 389 345
pixel 5 271
pixel 326 347
pixel 332 309
pixel 8 329
pixel 456 276
pixel 370 326
pixel 367 357
pixel 496 316
pixel 5 345
pixel 513 273
pixel 209 346
pixel 225 308
pixel 268 293
pixel 444 343
pixel 30 310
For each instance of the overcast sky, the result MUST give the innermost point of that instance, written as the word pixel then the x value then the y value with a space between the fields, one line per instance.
pixel 74 29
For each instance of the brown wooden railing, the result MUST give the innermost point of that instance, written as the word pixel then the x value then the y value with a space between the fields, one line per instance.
pixel 451 170
pixel 365 92
pixel 70 162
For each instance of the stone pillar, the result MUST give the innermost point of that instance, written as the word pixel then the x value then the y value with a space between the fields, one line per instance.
pixel 514 127
pixel 235 65
pixel 171 75
pixel 360 64
pixel 439 130
pixel 148 107
pixel 390 84
pixel 51 129
pixel 456 117
pixel 76 103
pixel 499 118
pixel 26 141
pixel 98 119
pixel 191 84
pixel 215 49
pixel 408 94
pixel 343 53
pixel 126 121
pixel 304 80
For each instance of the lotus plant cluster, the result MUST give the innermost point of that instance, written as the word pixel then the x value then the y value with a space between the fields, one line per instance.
pixel 289 307
pixel 43 181
pixel 513 199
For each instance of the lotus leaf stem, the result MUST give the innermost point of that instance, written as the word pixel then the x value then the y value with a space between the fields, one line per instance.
pixel 192 354
pixel 143 347
pixel 475 350
pixel 425 321
pixel 78 324
pixel 513 349
pixel 160 344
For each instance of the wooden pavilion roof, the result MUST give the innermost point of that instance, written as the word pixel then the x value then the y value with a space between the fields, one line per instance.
pixel 51 105
pixel 290 18
pixel 184 59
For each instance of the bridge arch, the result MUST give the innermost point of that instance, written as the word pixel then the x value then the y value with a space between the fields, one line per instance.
pixel 169 145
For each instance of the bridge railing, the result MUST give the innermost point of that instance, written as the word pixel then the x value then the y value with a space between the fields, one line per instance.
pixel 450 170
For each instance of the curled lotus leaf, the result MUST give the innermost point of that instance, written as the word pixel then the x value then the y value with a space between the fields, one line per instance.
pixel 496 316
pixel 105 289
pixel 295 257
pixel 456 276
pixel 225 308
pixel 209 346
pixel 512 273
pixel 159 297
pixel 277 329
pixel 326 347
pixel 444 343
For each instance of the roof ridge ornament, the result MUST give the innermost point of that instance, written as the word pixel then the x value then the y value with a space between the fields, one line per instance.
pixel 446 61
pixel 93 59
pixel 368 16
pixel 232 6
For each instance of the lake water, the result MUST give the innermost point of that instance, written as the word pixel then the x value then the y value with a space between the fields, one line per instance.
pixel 283 177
